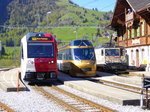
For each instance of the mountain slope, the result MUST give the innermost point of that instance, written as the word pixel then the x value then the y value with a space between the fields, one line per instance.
pixel 62 12
pixel 50 12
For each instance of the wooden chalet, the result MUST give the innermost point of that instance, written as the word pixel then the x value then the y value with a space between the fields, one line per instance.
pixel 131 21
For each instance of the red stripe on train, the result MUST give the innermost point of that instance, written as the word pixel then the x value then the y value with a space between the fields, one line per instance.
pixel 45 64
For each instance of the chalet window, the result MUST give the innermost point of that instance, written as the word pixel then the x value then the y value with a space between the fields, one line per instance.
pixel 120 33
pixel 129 33
pixel 142 28
pixel 131 53
pixel 123 34
pixel 146 28
pixel 132 33
pixel 132 59
pixel 138 32
pixel 142 55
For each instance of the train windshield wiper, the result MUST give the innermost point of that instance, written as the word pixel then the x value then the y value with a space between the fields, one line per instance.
pixel 92 56
pixel 77 57
pixel 83 43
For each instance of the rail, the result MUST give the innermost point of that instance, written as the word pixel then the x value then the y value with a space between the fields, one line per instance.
pixel 120 86
pixel 6 108
pixel 76 104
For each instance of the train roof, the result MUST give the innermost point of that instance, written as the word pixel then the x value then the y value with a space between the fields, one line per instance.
pixel 108 45
pixel 81 42
pixel 38 35
pixel 78 43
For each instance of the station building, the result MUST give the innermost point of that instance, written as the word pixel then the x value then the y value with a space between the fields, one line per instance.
pixel 131 21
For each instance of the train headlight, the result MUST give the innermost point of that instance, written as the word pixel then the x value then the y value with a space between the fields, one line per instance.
pixel 50 62
pixel 30 62
pixel 77 62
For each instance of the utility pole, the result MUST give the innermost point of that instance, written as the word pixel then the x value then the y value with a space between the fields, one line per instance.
pixel 76 33
pixel 110 40
pixel 47 16
pixel 39 21
pixel 15 51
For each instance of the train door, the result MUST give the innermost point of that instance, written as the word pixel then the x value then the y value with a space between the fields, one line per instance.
pixel 137 58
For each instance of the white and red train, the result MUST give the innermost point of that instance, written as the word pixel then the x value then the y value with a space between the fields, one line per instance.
pixel 38 57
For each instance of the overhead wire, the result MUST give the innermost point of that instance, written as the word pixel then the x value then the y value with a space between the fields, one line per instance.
pixel 93 1
pixel 106 6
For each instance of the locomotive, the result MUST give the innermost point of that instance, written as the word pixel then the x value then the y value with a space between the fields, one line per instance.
pixel 38 57
pixel 111 57
pixel 77 58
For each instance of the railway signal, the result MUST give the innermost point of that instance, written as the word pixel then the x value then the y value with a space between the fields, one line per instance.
pixel 145 86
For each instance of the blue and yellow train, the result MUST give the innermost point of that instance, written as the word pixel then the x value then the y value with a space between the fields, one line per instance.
pixel 77 58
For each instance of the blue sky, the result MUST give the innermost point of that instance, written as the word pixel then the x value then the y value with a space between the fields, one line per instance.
pixel 101 5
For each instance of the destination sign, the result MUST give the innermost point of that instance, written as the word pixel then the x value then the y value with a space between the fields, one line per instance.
pixel 39 38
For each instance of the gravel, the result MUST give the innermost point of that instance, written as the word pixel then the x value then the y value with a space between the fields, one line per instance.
pixel 29 101
pixel 32 101
pixel 105 103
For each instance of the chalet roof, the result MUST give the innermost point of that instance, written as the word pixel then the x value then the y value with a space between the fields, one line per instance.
pixel 138 5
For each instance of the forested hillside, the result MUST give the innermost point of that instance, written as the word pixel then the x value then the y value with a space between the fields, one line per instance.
pixel 47 13
pixel 3 10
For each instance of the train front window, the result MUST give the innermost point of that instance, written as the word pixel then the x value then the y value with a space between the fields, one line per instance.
pixel 84 54
pixel 112 52
pixel 40 50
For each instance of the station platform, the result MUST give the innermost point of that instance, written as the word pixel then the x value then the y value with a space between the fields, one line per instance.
pixel 132 77
pixel 139 73
pixel 135 80
pixel 102 91
pixel 10 81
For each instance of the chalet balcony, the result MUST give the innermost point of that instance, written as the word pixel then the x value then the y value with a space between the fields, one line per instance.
pixel 129 16
pixel 129 19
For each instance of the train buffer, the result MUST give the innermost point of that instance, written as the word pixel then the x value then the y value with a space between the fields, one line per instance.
pixel 10 81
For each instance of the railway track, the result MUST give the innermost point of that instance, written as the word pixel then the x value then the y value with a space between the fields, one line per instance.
pixel 72 102
pixel 5 108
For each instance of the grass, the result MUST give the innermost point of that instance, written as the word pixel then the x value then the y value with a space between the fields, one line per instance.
pixel 73 33
pixel 11 57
